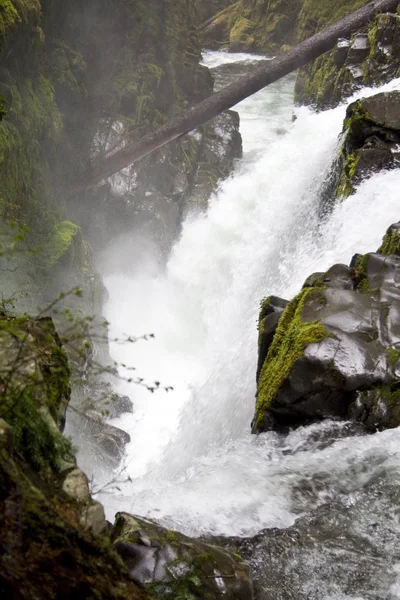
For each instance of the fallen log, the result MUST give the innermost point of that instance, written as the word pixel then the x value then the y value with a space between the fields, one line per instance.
pixel 266 73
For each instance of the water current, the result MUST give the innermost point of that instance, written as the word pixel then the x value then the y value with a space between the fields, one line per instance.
pixel 192 461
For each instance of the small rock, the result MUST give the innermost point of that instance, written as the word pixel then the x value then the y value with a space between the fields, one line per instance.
pixel 76 485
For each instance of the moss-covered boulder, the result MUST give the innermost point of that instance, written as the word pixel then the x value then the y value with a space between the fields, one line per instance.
pixel 336 348
pixel 253 26
pixel 175 566
pixel 370 57
pixel 371 139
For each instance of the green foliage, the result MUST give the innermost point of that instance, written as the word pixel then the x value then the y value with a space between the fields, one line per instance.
pixel 361 275
pixel 346 182
pixel 60 240
pixel 390 243
pixel 392 356
pixel 8 16
pixel 292 336
pixel 33 116
pixel 34 379
pixel 183 579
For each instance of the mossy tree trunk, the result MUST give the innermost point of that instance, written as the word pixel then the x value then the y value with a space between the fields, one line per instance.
pixel 264 75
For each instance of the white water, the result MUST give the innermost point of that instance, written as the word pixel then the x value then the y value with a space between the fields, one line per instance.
pixel 192 459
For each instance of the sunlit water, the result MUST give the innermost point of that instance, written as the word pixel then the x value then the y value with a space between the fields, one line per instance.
pixel 192 460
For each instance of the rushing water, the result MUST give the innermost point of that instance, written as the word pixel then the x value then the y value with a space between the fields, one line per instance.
pixel 192 460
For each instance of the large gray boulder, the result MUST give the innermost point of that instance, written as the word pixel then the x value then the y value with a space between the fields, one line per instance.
pixel 335 352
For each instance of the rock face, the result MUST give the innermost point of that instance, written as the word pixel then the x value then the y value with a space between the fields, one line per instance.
pixel 253 26
pixel 372 139
pixel 176 566
pixel 48 519
pixel 52 533
pixel 370 57
pixel 335 351
pixel 153 196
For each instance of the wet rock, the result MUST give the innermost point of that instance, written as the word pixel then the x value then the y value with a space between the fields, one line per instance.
pixel 372 139
pixel 263 27
pixel 153 196
pixel 76 485
pixel 222 145
pixel 369 58
pixel 93 517
pixel 175 564
pixel 119 405
pixel 335 350
pixel 97 436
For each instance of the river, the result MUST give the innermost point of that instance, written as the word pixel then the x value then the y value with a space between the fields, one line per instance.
pixel 192 462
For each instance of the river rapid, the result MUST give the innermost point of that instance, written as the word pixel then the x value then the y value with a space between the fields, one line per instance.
pixel 192 463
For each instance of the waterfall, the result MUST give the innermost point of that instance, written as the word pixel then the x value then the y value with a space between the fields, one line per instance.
pixel 192 462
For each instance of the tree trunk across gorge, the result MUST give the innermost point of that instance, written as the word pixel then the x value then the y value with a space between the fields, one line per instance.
pixel 268 72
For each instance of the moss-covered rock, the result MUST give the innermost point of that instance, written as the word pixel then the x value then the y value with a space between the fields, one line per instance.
pixel 371 139
pixel 293 334
pixel 317 14
pixel 46 551
pixel 253 26
pixel 207 10
pixel 177 567
pixel 335 351
pixel 370 57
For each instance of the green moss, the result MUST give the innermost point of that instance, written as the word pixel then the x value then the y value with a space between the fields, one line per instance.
pixel 172 537
pixel 240 35
pixel 292 336
pixel 261 320
pixel 322 82
pixel 346 182
pixel 8 16
pixel 34 375
pixel 317 14
pixel 361 275
pixel 60 240
pixel 390 243
pixel 392 356
pixel 33 117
